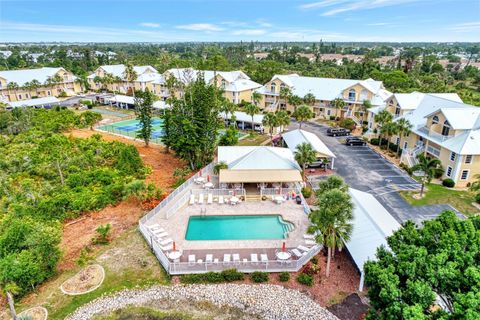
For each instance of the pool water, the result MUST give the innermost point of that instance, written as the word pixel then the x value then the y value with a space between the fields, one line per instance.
pixel 246 227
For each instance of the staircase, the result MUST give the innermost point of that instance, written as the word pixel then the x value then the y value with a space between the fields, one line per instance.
pixel 409 156
pixel 253 197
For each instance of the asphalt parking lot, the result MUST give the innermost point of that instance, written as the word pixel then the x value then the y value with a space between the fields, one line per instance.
pixel 365 170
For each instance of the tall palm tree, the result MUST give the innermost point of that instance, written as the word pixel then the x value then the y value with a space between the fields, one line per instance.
pixel 252 110
pixel 338 104
pixel 309 99
pixel 388 130
pixel 305 155
pixel 403 129
pixel 283 119
pixel 284 94
pixel 13 86
pixel 331 222
pixel 382 118
pixel 35 84
pixel 303 113
pixel 429 167
pixel 219 166
pixel 256 97
pixel 131 75
pixel 229 108
pixel 270 120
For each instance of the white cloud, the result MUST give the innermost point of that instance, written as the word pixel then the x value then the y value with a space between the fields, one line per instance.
pixel 338 6
pixel 466 27
pixel 150 24
pixel 249 32
pixel 200 27
pixel 321 4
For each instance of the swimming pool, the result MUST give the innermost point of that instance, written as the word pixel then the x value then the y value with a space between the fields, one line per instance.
pixel 246 227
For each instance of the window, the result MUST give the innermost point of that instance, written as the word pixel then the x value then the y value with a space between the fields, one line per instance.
pixel 352 95
pixel 273 87
pixel 405 145
pixel 27 95
pixel 468 158
pixel 397 111
pixel 446 128
pixel 282 86
pixel 328 112
pixel 20 97
pixel 464 175
pixel 434 120
pixel 453 155
pixel 397 142
pixel 449 171
pixel 224 84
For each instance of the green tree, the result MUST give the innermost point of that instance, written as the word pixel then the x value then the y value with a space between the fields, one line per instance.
pixel 309 99
pixel 332 182
pixel 219 166
pixel 404 128
pixel 294 101
pixel 388 130
pixel 429 167
pixel 367 104
pixel 229 107
pixel 338 105
pixel 144 111
pixel 131 75
pixel 303 113
pixel 89 118
pixel 270 120
pixel 331 222
pixel 305 155
pixel 256 97
pixel 285 93
pixel 283 119
pixel 230 137
pixel 475 186
pixel 252 110
pixel 382 118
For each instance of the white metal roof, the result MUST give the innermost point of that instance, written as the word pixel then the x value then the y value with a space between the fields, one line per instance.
pixel 118 70
pixel 372 224
pixel 296 137
pixel 257 158
pixel 130 100
pixel 34 102
pixel 242 116
pixel 20 77
pixel 410 101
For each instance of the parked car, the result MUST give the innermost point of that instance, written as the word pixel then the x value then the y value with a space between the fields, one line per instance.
pixel 334 132
pixel 355 141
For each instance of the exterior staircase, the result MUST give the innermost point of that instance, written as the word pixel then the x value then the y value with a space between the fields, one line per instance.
pixel 409 156
pixel 253 197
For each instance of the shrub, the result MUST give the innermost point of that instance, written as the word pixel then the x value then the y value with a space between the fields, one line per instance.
pixel 393 147
pixel 306 192
pixel 477 198
pixel 305 279
pixel 214 277
pixel 258 276
pixel 449 183
pixel 284 276
pixel 311 269
pixel 375 141
pixel 314 260
pixel 406 168
pixel 232 275
pixel 229 138
pixel 103 232
pixel 348 124
pixel 332 118
pixel 439 173
pixel 63 94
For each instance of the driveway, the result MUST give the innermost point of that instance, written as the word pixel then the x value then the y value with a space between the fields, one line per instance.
pixel 365 170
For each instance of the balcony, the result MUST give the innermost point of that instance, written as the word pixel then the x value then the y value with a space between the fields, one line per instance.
pixel 433 135
pixel 270 100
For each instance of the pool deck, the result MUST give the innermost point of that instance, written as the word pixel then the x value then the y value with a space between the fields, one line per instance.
pixel 176 226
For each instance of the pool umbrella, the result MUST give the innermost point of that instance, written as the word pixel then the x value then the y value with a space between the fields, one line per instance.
pixel 283 247
pixel 200 173
pixel 174 246
pixel 208 178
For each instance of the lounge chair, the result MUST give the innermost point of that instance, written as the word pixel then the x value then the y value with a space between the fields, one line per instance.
pixel 310 242
pixel 209 258
pixel 200 198
pixel 160 235
pixel 303 248
pixel 215 260
pixel 210 198
pixel 226 258
pixel 309 236
pixel 199 261
pixel 245 261
pixel 155 227
pixel 264 258
pixel 236 258
pixel 192 199
pixel 254 258
pixel 220 199
pixel 168 247
pixel 191 259
pixel 297 253
pixel 166 241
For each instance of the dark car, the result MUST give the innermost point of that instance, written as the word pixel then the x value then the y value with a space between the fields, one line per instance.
pixel 337 132
pixel 355 141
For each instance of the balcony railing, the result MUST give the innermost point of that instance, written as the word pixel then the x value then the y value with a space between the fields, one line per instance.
pixel 432 134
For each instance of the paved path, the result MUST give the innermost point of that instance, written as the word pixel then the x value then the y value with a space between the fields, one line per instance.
pixel 365 170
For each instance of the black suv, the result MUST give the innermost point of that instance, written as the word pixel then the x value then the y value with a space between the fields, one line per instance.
pixel 334 132
pixel 355 141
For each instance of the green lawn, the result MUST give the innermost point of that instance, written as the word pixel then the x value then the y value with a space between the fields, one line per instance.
pixel 437 194
pixel 253 140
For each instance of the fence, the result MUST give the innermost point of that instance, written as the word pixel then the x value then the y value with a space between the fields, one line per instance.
pixel 126 134
pixel 278 191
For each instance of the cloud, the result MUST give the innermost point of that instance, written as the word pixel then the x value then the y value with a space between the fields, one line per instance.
pixel 321 4
pixel 200 27
pixel 150 24
pixel 339 6
pixel 379 24
pixel 249 32
pixel 466 27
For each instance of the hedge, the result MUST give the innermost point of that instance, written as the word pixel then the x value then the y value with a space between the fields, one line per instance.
pixel 228 275
pixel 449 183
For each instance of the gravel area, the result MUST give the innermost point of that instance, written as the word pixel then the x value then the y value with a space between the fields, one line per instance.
pixel 266 301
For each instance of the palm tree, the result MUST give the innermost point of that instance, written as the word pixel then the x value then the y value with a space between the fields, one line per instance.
pixel 131 75
pixel 403 129
pixel 11 289
pixel 382 118
pixel 332 182
pixel 367 104
pixel 305 155
pixel 270 120
pixel 284 94
pixel 389 129
pixel 252 110
pixel 229 108
pixel 309 99
pixel 13 86
pixel 256 97
pixel 35 84
pixel 219 166
pixel 429 167
pixel 338 104
pixel 283 119
pixel 294 101
pixel 303 113
pixel 331 222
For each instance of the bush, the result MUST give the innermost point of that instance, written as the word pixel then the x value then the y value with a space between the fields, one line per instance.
pixel 284 276
pixel 348 124
pixel 375 141
pixel 393 147
pixel 311 269
pixel 477 198
pixel 449 183
pixel 103 232
pixel 306 192
pixel 406 168
pixel 332 118
pixel 228 275
pixel 63 94
pixel 229 138
pixel 314 260
pixel 305 279
pixel 232 275
pixel 258 276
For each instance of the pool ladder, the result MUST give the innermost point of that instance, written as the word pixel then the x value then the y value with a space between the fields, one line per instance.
pixel 203 212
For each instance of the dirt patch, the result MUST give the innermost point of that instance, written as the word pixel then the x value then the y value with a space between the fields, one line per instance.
pixel 35 313
pixel 86 280
pixel 351 308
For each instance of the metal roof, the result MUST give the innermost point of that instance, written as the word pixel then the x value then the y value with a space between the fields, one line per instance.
pixel 259 176
pixel 34 102
pixel 296 137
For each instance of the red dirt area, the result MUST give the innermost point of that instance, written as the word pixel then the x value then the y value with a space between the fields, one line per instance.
pixel 78 233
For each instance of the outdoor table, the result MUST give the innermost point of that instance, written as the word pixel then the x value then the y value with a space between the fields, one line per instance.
pixel 208 185
pixel 279 199
pixel 200 180
pixel 174 255
pixel 283 255
pixel 234 200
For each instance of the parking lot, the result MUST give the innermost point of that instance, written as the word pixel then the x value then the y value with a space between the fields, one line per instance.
pixel 365 170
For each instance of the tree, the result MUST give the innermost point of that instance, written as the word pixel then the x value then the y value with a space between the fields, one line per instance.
pixel 438 260
pixel 131 75
pixel 332 182
pixel 256 97
pixel 228 107
pixel 10 290
pixel 89 118
pixel 309 99
pixel 294 101
pixel 270 120
pixel 429 167
pixel 252 110
pixel 303 113
pixel 338 104
pixel 13 86
pixel 382 118
pixel 230 137
pixel 475 186
pixel 367 104
pixel 305 155
pixel 283 119
pixel 388 130
pixel 331 222
pixel 35 84
pixel 144 111
pixel 285 93
pixel 403 129
pixel 219 166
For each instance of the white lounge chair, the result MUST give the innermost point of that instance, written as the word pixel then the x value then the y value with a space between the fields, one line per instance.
pixel 168 247
pixel 155 227
pixel 191 259
pixel 210 198
pixel 254 258
pixel 199 261
pixel 226 258
pixel 192 199
pixel 245 261
pixel 160 235
pixel 164 242
pixel 303 248
pixel 264 258
pixel 200 198
pixel 215 260
pixel 220 200
pixel 236 258
pixel 209 258
pixel 297 253
pixel 310 242
pixel 309 236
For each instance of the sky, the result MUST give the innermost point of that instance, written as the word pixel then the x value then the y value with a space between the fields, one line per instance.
pixel 236 20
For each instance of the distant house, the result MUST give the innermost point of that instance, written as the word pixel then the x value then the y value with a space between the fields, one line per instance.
pixel 45 102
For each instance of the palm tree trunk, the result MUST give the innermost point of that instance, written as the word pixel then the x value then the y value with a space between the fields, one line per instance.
pixel 388 143
pixel 328 261
pixel 300 124
pixel 60 173
pixel 253 126
pixel 11 305
pixel 421 189
pixel 398 146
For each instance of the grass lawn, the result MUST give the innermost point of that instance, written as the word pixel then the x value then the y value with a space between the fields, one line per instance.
pixel 437 194
pixel 128 263
pixel 253 140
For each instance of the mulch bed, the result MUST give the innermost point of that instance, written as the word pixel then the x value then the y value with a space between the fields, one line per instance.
pixel 351 308
pixel 88 279
pixel 35 313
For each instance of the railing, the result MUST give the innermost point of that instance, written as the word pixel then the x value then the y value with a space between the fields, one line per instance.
pixel 433 134
pixel 434 151
pixel 277 191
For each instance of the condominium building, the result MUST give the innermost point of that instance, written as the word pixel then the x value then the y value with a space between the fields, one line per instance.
pixel 325 90
pixel 18 85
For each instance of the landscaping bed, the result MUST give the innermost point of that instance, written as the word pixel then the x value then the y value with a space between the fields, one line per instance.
pixel 35 313
pixel 86 280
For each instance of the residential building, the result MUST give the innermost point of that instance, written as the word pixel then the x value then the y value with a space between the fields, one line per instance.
pixel 325 90
pixel 17 85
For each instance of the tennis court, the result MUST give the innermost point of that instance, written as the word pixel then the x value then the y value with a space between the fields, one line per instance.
pixel 129 128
